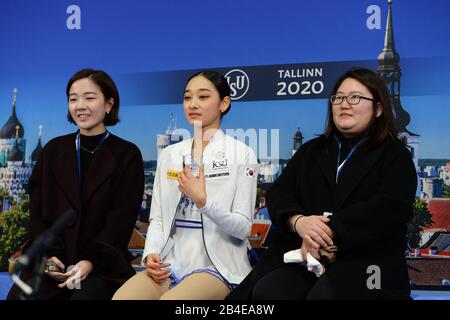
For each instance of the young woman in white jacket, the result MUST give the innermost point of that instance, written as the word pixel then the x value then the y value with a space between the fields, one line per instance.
pixel 202 206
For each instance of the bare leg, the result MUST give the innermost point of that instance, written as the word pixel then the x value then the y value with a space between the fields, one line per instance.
pixel 198 286
pixel 141 287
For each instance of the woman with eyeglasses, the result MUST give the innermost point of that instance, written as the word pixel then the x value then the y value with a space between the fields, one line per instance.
pixel 344 200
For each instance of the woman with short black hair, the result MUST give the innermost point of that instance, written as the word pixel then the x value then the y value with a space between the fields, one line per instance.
pixel 101 177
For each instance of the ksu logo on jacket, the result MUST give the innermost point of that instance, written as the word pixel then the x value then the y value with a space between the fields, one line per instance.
pixel 218 168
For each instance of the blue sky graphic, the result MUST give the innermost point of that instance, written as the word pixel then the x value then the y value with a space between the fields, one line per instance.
pixel 38 55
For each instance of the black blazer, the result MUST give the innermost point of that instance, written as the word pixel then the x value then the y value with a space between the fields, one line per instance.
pixel 371 205
pixel 107 208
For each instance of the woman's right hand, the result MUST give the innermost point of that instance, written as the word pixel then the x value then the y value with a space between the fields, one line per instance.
pixel 154 266
pixel 315 231
pixel 58 276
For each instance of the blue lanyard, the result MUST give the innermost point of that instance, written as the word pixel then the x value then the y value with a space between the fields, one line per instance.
pixel 77 147
pixel 341 166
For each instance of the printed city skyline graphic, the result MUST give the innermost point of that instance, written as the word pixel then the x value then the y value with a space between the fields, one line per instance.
pixel 41 98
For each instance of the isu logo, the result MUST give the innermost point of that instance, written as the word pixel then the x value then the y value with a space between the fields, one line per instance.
pixel 239 83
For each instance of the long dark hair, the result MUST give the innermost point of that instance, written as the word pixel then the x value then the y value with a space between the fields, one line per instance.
pixel 383 127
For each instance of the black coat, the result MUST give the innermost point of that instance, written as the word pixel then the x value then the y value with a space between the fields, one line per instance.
pixel 371 205
pixel 107 207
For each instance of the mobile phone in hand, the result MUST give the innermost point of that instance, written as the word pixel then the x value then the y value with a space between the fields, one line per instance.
pixel 52 267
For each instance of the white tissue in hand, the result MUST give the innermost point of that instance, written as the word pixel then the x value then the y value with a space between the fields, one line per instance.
pixel 295 256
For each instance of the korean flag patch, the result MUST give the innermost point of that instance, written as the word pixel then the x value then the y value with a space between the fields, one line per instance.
pixel 250 172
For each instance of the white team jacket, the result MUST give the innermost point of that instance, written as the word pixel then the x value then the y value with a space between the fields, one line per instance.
pixel 231 171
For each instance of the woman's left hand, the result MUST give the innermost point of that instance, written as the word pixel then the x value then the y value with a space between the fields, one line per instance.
pixel 306 247
pixel 77 274
pixel 193 187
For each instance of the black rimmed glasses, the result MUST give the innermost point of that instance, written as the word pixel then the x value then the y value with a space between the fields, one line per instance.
pixel 352 99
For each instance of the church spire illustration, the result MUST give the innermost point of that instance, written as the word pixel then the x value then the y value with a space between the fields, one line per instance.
pixel 389 69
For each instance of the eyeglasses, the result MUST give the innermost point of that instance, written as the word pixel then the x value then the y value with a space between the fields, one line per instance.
pixel 353 99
